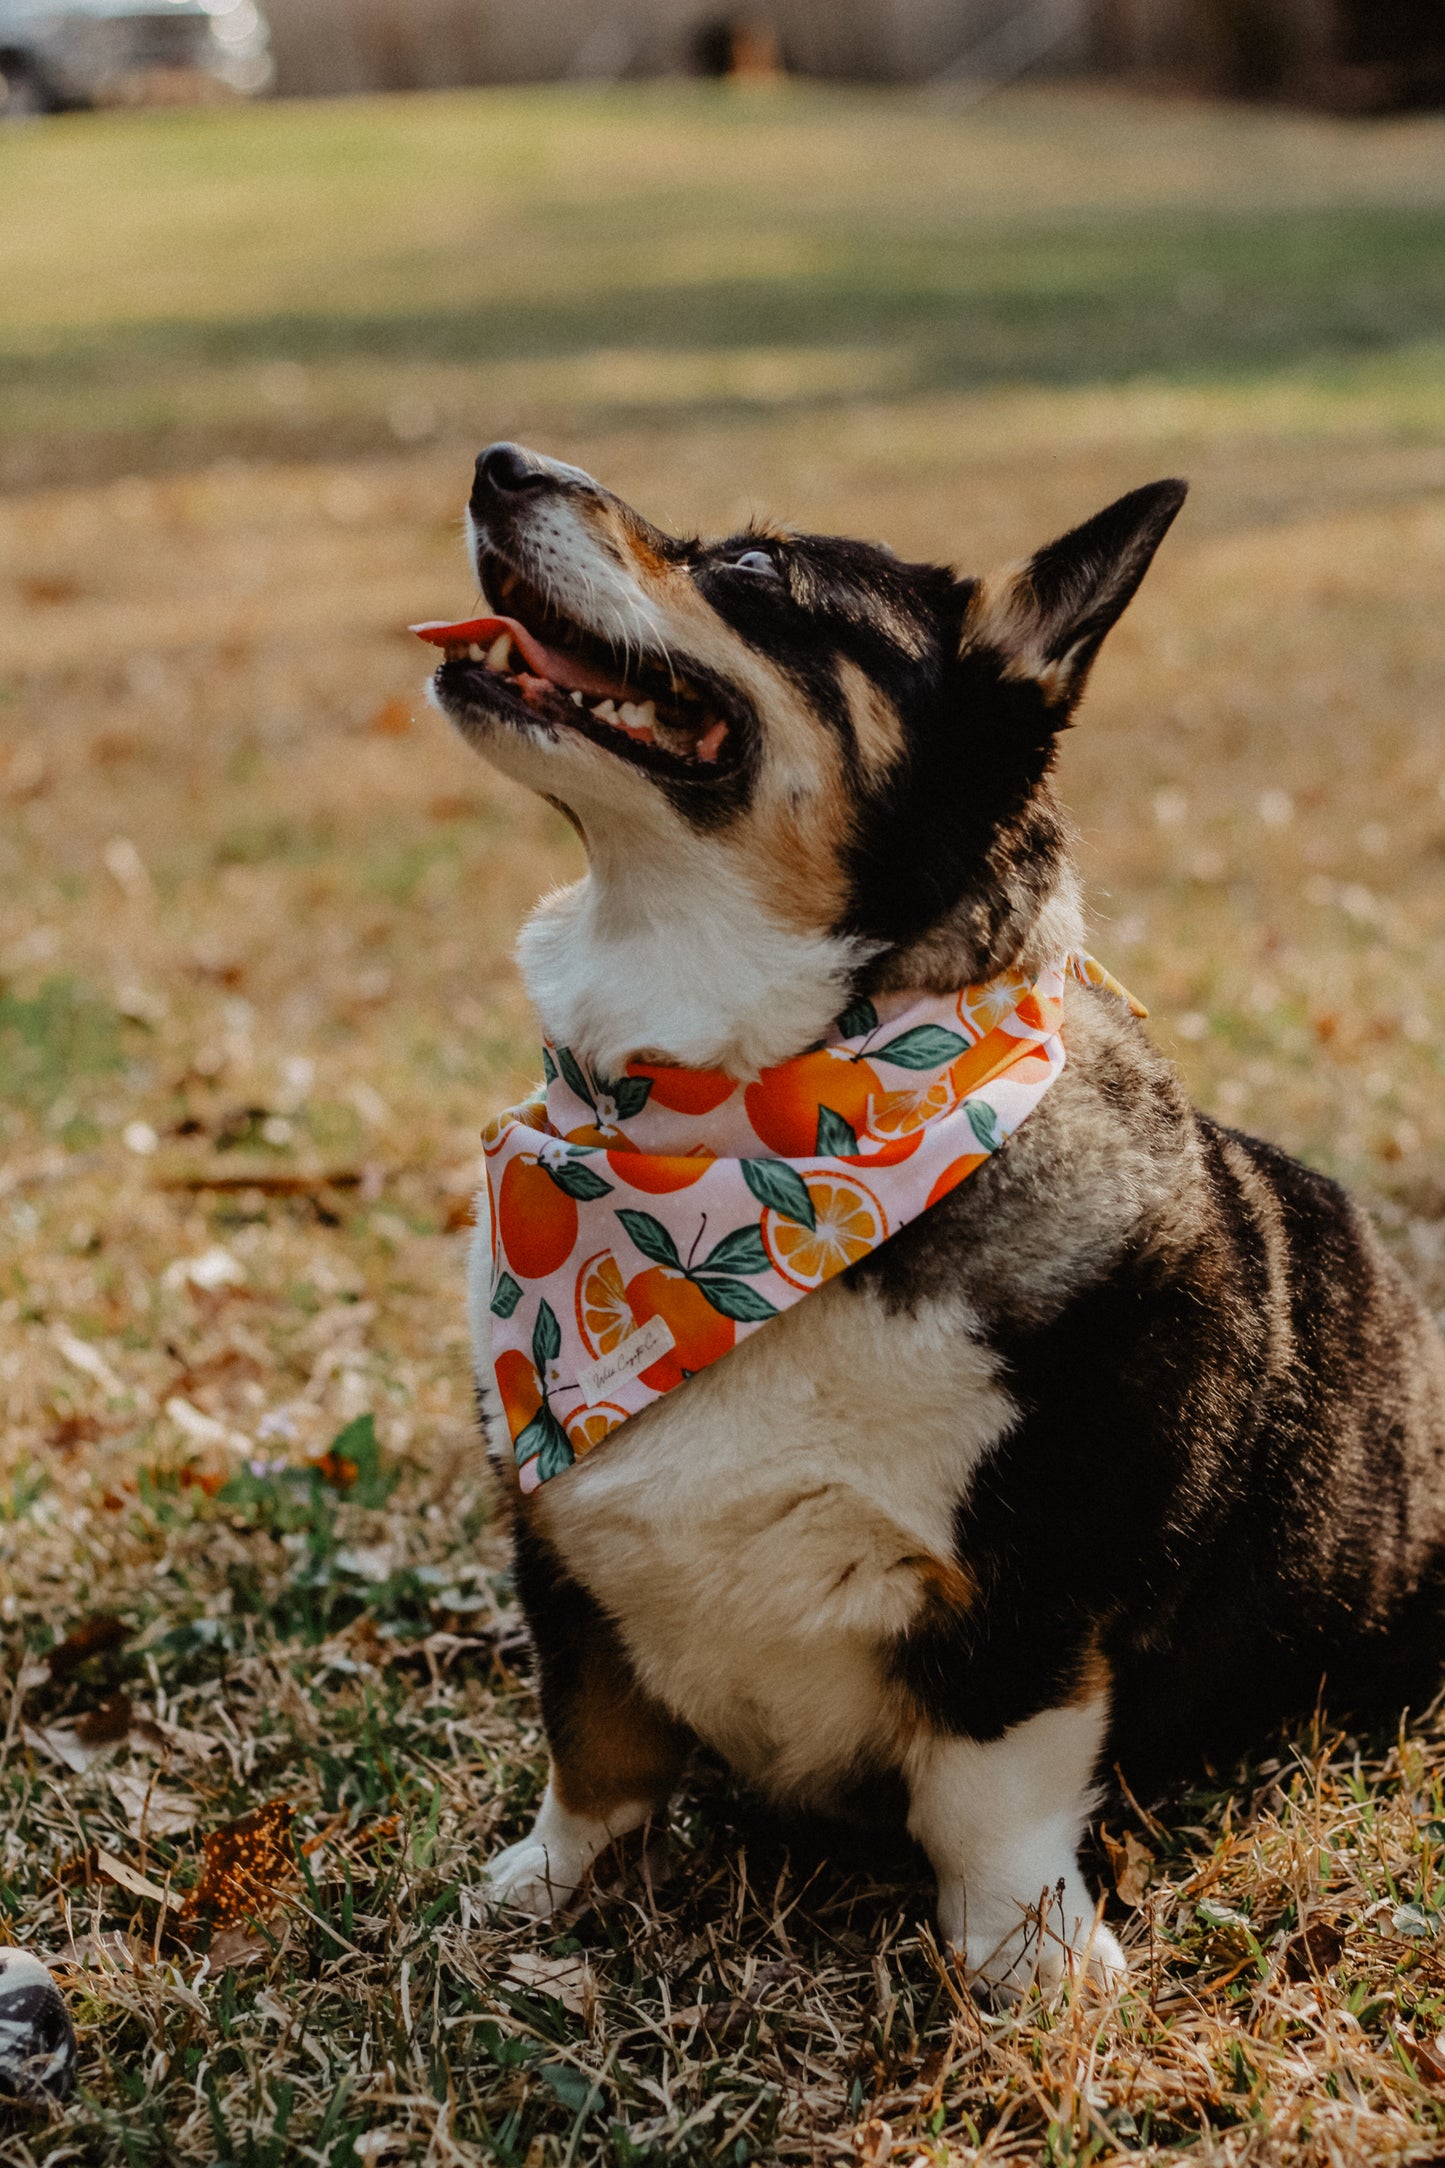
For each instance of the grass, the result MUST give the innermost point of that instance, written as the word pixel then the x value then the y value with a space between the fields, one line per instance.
pixel 256 997
pixel 306 281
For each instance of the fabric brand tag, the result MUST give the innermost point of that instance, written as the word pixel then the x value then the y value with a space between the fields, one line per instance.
pixel 646 1345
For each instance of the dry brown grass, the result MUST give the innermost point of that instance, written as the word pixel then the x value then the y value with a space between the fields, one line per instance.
pixel 256 911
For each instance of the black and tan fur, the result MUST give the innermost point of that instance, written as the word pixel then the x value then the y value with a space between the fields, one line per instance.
pixel 1129 1449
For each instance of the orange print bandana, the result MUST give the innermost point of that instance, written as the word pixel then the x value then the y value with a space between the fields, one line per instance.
pixel 642 1225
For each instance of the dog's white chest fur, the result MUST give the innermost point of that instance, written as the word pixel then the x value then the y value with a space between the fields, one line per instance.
pixel 761 1533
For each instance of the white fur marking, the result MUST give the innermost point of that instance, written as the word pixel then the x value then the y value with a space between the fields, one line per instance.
pixel 757 1534
pixel 1001 1822
pixel 547 1868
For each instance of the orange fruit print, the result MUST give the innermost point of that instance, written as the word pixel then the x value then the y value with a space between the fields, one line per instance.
pixel 685 1091
pixel 520 1388
pixel 658 1173
pixel 849 1223
pixel 700 1333
pixel 783 1105
pixel 953 1174
pixel 538 1221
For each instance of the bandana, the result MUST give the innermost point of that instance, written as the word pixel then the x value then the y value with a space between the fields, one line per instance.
pixel 643 1225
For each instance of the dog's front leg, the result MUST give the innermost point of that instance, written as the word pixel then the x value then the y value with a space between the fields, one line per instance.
pixel 616 1752
pixel 1001 1821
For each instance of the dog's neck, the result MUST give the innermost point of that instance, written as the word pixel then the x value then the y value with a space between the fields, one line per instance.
pixel 687 966
pixel 674 955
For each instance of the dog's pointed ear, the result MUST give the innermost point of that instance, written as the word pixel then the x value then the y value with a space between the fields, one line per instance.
pixel 1046 619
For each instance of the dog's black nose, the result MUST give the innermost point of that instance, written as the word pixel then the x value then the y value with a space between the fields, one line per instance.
pixel 506 469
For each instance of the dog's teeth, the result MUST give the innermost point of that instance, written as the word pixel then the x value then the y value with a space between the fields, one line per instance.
pixel 577 700
pixel 499 654
pixel 709 744
pixel 454 653
pixel 606 711
pixel 640 717
pixel 474 653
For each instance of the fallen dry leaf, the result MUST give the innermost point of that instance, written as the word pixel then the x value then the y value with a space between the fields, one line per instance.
pixel 873 2143
pixel 1131 1864
pixel 158 1737
pixel 245 1863
pixel 151 1810
pixel 62 1745
pixel 116 1870
pixel 1316 1950
pixel 236 1947
pixel 569 1980
pixel 105 1952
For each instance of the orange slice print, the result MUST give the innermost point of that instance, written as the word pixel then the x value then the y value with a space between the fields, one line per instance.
pixel 901 1114
pixel 604 1315
pixel 589 1426
pixel 984 1007
pixel 850 1223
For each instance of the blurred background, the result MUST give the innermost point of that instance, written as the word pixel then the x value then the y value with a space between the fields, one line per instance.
pixel 949 273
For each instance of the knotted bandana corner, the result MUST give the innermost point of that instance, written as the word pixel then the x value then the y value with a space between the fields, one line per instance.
pixel 643 1225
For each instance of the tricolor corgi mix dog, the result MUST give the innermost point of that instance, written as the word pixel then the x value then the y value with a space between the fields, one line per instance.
pixel 1118 1455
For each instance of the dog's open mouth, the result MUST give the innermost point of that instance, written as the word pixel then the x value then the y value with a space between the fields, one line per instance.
pixel 560 674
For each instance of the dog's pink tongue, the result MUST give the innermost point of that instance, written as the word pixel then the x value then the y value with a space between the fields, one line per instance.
pixel 567 671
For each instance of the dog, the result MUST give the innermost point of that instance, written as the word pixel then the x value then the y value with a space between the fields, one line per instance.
pixel 1115 1457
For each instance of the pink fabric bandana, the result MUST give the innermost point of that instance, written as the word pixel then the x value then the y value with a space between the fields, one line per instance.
pixel 642 1225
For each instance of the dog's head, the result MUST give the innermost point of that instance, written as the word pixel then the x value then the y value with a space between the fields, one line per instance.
pixel 801 767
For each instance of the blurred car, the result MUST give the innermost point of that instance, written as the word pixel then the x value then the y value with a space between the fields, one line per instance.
pixel 56 54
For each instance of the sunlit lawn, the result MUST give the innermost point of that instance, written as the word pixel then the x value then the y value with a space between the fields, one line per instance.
pixel 256 998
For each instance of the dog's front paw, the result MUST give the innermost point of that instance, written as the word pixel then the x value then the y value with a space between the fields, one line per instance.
pixel 1004 1951
pixel 534 1877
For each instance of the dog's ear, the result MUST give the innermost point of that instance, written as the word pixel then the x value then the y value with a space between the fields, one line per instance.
pixel 1045 619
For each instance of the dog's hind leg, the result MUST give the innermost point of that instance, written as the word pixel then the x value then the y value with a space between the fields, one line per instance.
pixel 1001 1820
pixel 616 1752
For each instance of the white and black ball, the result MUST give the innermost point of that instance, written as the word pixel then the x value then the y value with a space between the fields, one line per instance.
pixel 37 2039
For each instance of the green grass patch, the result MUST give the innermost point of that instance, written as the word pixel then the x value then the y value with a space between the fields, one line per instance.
pixel 332 277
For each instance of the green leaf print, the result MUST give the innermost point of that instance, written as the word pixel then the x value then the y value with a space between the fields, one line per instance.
pixel 651 1237
pixel 741 1251
pixel 506 1295
pixel 629 1094
pixel 545 1441
pixel 774 1183
pixel 836 1139
pixel 735 1299
pixel 983 1121
pixel 857 1021
pixel 573 1078
pixel 578 1181
pixel 556 1450
pixel 546 1337
pixel 927 1046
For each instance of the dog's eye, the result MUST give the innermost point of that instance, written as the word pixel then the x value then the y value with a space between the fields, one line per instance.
pixel 755 561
